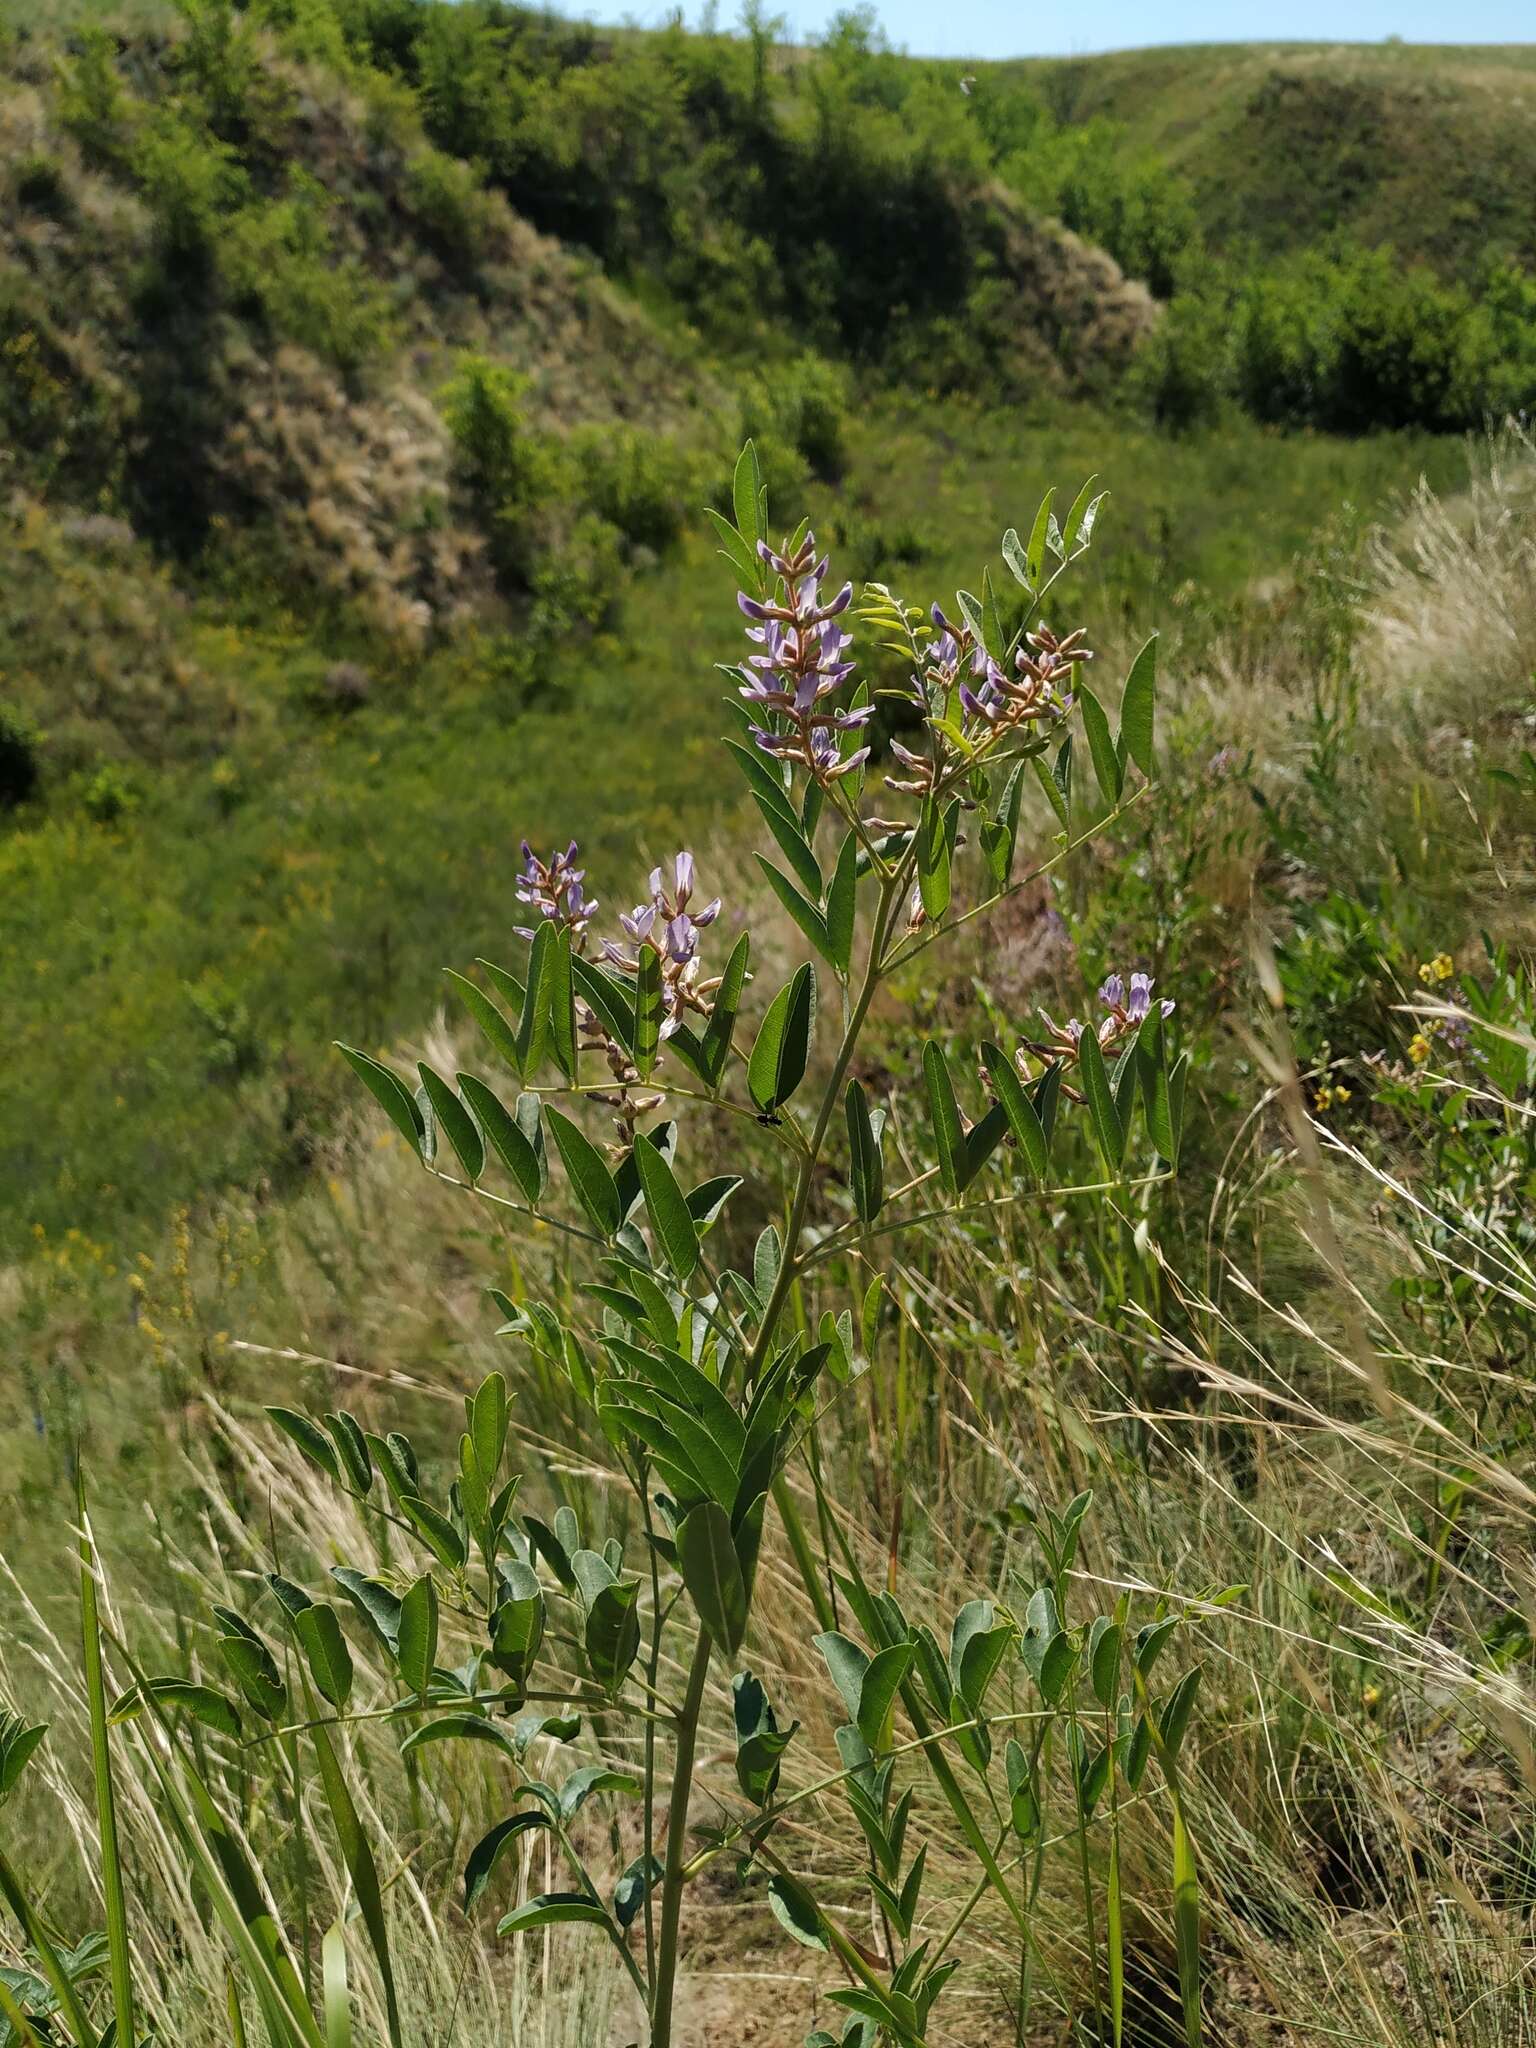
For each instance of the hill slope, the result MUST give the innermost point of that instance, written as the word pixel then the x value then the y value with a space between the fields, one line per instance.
pixel 1430 149
pixel 364 366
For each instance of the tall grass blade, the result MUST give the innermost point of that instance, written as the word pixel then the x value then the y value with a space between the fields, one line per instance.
pixel 80 2028
pixel 1114 1935
pixel 360 1865
pixel 231 1884
pixel 338 2008
pixel 101 1771
pixel 236 2016
pixel 1186 1920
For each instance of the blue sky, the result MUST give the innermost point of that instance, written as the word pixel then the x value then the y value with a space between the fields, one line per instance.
pixel 992 28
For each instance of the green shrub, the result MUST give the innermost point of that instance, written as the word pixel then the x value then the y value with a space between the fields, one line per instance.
pixel 796 414
pixel 451 206
pixel 233 89
pixel 511 472
pixel 94 104
pixel 231 1046
pixel 279 256
pixel 576 583
pixel 1507 309
pixel 1404 353
pixel 1144 214
pixel 1180 374
pixel 109 795
pixel 639 482
pixel 190 180
pixel 310 29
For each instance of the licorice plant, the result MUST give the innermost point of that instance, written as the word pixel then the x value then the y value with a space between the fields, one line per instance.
pixel 703 1381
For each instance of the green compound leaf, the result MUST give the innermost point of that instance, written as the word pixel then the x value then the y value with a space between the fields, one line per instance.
pixel 1108 767
pixel 325 1650
pixel 505 1136
pixel 416 1635
pixel 1023 1117
pixel 706 1557
pixel 499 1032
pixel 948 1131
pixel 555 1909
pixel 1107 1127
pixel 486 1853
pixel 800 908
pixel 311 1440
pixel 842 893
pixel 866 1167
pixel 796 1911
pixel 455 1119
pixel 214 1709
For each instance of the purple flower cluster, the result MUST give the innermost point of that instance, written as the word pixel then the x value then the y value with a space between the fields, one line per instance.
pixel 1124 1010
pixel 801 662
pixel 1041 691
pixel 671 929
pixel 554 888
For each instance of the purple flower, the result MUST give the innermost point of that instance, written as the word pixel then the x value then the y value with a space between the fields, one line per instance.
pixel 671 929
pixel 800 663
pixel 554 889
pixel 1124 1011
pixel 1141 999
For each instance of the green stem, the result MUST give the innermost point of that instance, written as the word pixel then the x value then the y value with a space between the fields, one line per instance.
pixel 653 1667
pixel 615 1933
pixel 1077 1751
pixel 301 1850
pixel 960 1806
pixel 674 1875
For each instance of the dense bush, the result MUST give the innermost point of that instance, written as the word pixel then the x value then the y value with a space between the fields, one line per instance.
pixel 511 471
pixel 281 258
pixel 796 412
pixel 637 481
pixel 1347 340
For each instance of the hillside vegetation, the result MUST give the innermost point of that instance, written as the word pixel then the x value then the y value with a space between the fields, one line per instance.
pixel 372 380
pixel 365 367
pixel 1427 149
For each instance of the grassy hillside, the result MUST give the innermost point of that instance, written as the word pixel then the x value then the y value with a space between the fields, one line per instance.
pixel 1330 1507
pixel 335 479
pixel 1431 149
pixel 316 861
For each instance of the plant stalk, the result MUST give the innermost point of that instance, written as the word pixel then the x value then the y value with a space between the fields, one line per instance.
pixel 674 1875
